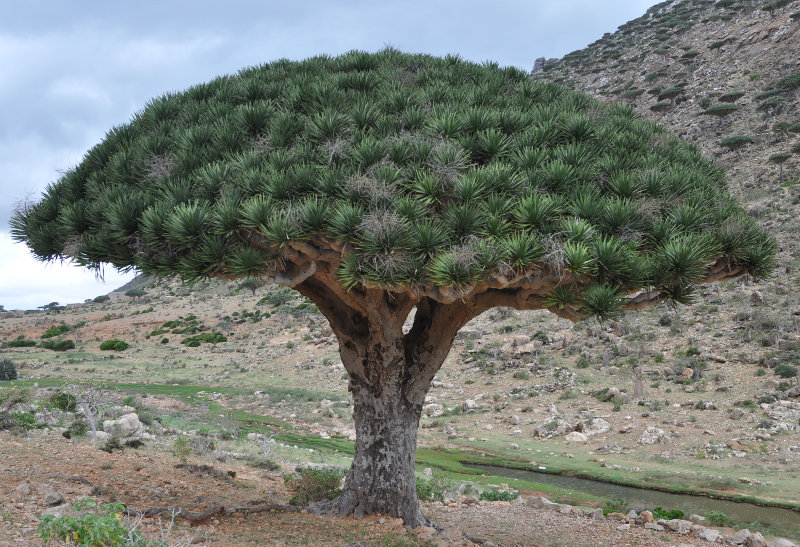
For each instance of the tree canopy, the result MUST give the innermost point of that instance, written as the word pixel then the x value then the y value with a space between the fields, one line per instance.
pixel 431 176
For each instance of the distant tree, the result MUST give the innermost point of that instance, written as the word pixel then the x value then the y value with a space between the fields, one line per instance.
pixel 135 293
pixel 383 186
pixel 2 308
pixel 779 159
pixel 251 285
pixel 50 306
pixel 100 299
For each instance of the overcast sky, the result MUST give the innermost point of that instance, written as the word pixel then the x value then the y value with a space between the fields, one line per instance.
pixel 71 70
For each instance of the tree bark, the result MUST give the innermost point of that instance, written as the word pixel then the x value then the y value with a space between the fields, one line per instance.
pixel 390 373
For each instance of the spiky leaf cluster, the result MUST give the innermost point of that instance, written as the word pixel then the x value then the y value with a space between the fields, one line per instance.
pixel 418 170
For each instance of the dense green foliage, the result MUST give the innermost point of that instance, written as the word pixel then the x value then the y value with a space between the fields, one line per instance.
pixel 736 141
pixel 114 345
pixel 8 371
pixel 498 495
pixel 20 342
pixel 55 330
pixel 94 526
pixel 314 484
pixel 57 345
pixel 431 170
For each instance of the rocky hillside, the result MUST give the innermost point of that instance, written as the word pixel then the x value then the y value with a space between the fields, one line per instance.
pixel 723 74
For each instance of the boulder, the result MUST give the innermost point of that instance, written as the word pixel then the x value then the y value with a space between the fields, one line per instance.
pixel 126 426
pixel 709 534
pixel 741 537
pixel 679 525
pixel 53 498
pixel 756 540
pixel 576 437
pixel 644 517
pixel 433 410
pixel 553 427
pixel 594 426
pixel 781 542
pixel 652 435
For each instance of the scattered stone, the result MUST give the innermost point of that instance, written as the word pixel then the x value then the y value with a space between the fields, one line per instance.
pixel 781 542
pixel 576 437
pixel 709 534
pixel 53 498
pixel 681 526
pixel 644 517
pixel 594 426
pixel 756 540
pixel 653 526
pixel 126 426
pixel 652 435
pixel 624 527
pixel 757 297
pixel 23 489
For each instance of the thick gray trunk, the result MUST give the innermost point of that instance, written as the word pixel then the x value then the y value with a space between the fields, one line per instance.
pixel 382 479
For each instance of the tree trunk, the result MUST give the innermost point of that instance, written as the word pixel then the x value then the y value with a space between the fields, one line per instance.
pixel 387 405
pixel 382 478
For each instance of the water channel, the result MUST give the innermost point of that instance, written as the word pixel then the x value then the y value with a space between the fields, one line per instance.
pixel 640 498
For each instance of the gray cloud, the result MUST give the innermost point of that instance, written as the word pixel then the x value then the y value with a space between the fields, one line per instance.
pixel 72 70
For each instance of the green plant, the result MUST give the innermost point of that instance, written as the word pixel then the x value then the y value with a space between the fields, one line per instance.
pixel 428 491
pixel 736 142
pixel 95 526
pixel 720 110
pixel 718 518
pixel 100 299
pixel 206 337
pixel 8 371
pixel 312 484
pixel 786 371
pixel 182 448
pixel 114 345
pixel 583 362
pixel 63 401
pixel 731 97
pixel 522 375
pixel 498 495
pixel 615 505
pixel 667 514
pixel 55 330
pixel 135 293
pixel 57 345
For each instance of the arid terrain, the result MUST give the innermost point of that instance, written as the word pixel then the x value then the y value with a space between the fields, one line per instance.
pixel 702 399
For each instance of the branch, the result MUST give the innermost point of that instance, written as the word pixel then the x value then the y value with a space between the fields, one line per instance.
pixel 281 278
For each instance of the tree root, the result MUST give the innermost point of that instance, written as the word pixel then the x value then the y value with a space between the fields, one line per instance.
pixel 200 517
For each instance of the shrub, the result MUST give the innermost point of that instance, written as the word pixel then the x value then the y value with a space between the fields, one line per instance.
pixel 57 345
pixel 731 97
pixel 786 371
pixel 96 526
pixel 769 103
pixel 182 449
pixel 498 495
pixel 20 342
pixel 718 518
pixel 796 147
pixel 615 505
pixel 206 337
pixel 428 491
pixel 114 345
pixel 670 93
pixel 23 420
pixel 691 54
pixel 312 484
pixel 718 44
pixel 55 330
pixel 135 293
pixel 102 298
pixel 736 142
pixel 64 401
pixel 667 514
pixel 720 110
pixel 661 107
pixel 780 157
pixel 522 375
pixel 794 128
pixel 8 371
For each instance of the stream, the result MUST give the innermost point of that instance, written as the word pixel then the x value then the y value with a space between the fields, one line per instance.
pixel 640 498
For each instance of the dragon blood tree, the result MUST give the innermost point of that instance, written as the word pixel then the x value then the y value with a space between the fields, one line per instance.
pixel 385 185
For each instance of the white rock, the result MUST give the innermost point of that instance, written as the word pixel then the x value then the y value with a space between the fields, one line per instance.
pixel 433 410
pixel 595 426
pixel 126 426
pixel 652 435
pixel 576 437
pixel 709 534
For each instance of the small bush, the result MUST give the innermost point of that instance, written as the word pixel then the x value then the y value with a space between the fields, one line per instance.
pixel 428 491
pixel 23 420
pixel 57 345
pixel 731 97
pixel 19 343
pixel 667 514
pixel 720 110
pixel 114 345
pixel 661 107
pixel 313 485
pixel 522 375
pixel 718 518
pixel 182 449
pixel 95 526
pixel 206 337
pixel 8 371
pixel 63 401
pixel 786 371
pixel 615 505
pixel 55 330
pixel 498 495
pixel 100 299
